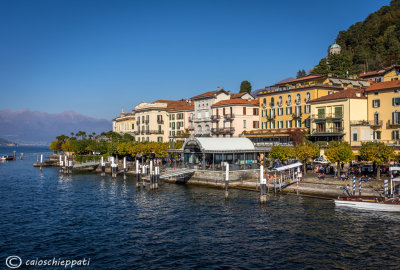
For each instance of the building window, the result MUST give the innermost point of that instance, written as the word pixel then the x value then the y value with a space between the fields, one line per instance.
pixel 307 108
pixel 272 102
pixel 159 139
pixel 264 112
pixel 255 111
pixel 376 135
pixel 280 111
pixel 280 101
pixel 396 135
pixel 308 96
pixel 376 103
pixel 244 123
pixel 280 124
pixel 288 123
pixel 355 135
pixel 307 122
pixel 255 124
pixel 298 99
pixel 265 101
pixel 396 118
pixel 288 110
pixel 264 125
pixel 298 123
pixel 272 112
pixel 330 92
pixel 244 110
pixel 396 101
pixel 289 100
pixel 272 124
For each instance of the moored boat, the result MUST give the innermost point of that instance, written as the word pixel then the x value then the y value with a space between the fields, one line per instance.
pixel 370 203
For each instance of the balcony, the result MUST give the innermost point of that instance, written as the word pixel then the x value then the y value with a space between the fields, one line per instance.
pixel 271 117
pixel 272 104
pixel 191 127
pixel 160 121
pixel 215 118
pixel 327 116
pixel 298 101
pixel 391 124
pixel 222 131
pixel 376 124
pixel 229 117
pixel 279 104
pixel 142 132
pixel 146 121
pixel 288 103
pixel 296 115
pixel 136 132
pixel 327 131
pixel 190 120
pixel 137 122
pixel 360 123
pixel 156 131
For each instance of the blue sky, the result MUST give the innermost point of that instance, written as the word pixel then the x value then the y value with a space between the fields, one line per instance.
pixel 95 57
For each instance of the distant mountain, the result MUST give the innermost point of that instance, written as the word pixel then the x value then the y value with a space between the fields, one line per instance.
pixel 34 127
pixel 5 142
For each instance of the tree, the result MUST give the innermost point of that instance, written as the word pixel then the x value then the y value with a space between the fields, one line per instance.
pixel 297 136
pixel 306 151
pixel 245 86
pixel 281 153
pixel 301 73
pixel 376 152
pixel 339 152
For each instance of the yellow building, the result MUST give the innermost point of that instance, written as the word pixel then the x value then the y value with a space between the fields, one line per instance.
pixel 284 106
pixel 384 111
pixel 125 123
pixel 391 73
pixel 341 116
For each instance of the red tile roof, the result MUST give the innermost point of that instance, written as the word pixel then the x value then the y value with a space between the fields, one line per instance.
pixel 306 78
pixel 348 93
pixel 383 86
pixel 238 95
pixel 209 94
pixel 181 105
pixel 235 101
pixel 378 72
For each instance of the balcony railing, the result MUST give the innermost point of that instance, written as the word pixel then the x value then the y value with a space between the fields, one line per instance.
pixel 391 124
pixel 229 130
pixel 156 131
pixel 279 104
pixel 136 132
pixel 272 104
pixel 298 101
pixel 360 123
pixel 190 120
pixel 229 116
pixel 215 118
pixel 327 116
pixel 146 121
pixel 191 127
pixel 271 117
pixel 376 124
pixel 288 103
pixel 137 122
pixel 160 121
pixel 297 115
pixel 327 131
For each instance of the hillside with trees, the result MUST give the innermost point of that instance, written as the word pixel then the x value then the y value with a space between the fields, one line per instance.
pixel 368 45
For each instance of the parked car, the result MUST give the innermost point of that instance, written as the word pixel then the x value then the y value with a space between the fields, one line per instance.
pixel 367 169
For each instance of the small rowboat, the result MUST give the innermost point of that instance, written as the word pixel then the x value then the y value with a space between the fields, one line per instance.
pixel 370 203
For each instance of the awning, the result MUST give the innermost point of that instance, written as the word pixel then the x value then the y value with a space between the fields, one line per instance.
pixel 354 83
pixel 364 83
pixel 335 81
pixel 290 166
pixel 345 81
pixel 394 168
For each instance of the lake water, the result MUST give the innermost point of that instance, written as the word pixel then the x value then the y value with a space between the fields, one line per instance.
pixel 45 215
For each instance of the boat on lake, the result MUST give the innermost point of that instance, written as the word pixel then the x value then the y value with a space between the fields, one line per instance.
pixel 370 203
pixel 7 158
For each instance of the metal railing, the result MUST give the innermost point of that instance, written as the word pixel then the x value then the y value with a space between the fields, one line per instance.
pixel 327 131
pixel 326 115
pixel 297 115
pixel 271 117
pixel 360 123
pixel 229 130
pixel 391 124
pixel 376 123
pixel 215 117
pixel 229 116
pixel 160 121
pixel 156 131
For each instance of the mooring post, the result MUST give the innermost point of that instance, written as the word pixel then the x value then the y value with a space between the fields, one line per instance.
pixel 71 165
pixel 41 161
pixel 263 186
pixel 143 174
pixel 275 183
pixel 113 174
pixel 354 186
pixel 359 187
pixel 103 166
pixel 14 155
pixel 157 172
pixel 297 181
pixel 226 180
pixel 124 167
pixel 137 174
pixel 151 166
pixel 386 188
pixel 22 156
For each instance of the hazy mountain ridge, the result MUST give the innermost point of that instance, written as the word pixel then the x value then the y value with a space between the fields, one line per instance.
pixel 35 127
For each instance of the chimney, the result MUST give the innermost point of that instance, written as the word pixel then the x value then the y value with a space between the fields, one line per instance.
pixel 358 94
pixel 218 88
pixel 229 92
